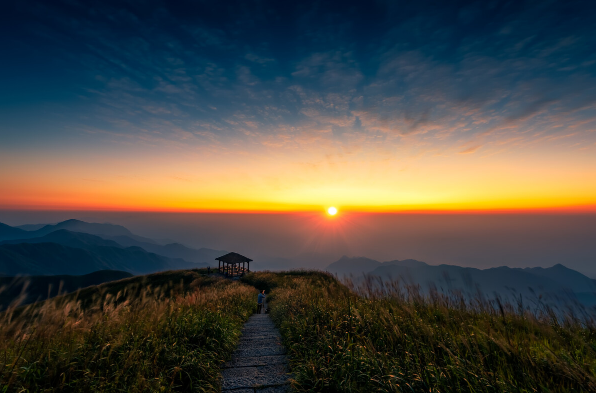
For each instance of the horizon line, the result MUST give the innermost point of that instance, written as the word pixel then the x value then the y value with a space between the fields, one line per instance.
pixel 583 209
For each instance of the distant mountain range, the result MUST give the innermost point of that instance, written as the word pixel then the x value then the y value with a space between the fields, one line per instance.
pixel 65 252
pixel 103 230
pixel 173 250
pixel 78 247
pixel 31 227
pixel 300 261
pixel 557 283
pixel 29 289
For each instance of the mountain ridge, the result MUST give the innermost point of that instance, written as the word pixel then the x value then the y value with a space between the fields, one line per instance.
pixel 66 252
pixel 173 250
pixel 121 236
pixel 105 230
pixel 556 282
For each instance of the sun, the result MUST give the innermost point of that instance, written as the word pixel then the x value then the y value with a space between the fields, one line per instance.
pixel 332 211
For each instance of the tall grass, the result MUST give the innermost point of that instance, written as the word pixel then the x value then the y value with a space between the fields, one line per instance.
pixel 171 337
pixel 363 339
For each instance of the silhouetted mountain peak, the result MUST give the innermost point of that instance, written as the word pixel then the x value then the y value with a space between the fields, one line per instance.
pixel 93 228
pixel 72 221
pixel 560 267
pixel 412 263
pixel 356 265
pixel 67 238
pixel 8 231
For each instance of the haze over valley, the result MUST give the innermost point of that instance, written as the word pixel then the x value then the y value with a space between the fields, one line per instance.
pixel 80 248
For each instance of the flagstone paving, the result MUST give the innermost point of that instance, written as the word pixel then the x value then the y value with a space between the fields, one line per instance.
pixel 259 364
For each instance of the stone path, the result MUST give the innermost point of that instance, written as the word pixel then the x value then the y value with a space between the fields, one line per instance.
pixel 259 364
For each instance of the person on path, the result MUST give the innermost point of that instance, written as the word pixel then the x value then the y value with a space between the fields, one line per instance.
pixel 260 300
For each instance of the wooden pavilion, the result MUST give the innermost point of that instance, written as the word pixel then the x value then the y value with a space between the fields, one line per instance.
pixel 233 264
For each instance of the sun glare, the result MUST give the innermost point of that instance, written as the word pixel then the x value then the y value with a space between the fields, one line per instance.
pixel 332 211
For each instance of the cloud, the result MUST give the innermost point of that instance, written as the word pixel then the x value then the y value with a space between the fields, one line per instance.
pixel 501 76
pixel 470 150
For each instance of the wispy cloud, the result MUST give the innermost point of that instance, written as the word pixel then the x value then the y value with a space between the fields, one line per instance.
pixel 509 75
pixel 470 150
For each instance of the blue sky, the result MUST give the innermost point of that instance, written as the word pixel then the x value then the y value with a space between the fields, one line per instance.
pixel 385 79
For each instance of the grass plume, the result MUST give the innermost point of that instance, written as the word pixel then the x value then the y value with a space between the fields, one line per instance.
pixel 169 332
pixel 344 338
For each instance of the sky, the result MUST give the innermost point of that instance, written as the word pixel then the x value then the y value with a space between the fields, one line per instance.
pixel 376 106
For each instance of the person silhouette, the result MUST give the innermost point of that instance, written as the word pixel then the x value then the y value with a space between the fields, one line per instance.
pixel 260 300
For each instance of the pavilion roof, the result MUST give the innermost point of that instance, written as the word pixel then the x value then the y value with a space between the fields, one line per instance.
pixel 233 257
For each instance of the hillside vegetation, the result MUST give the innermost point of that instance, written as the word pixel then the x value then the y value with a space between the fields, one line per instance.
pixel 163 332
pixel 23 290
pixel 393 339
pixel 171 332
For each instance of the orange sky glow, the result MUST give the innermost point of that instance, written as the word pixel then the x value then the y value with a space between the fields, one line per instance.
pixel 363 182
pixel 299 115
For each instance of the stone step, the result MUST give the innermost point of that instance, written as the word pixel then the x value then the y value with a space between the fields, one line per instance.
pixel 259 326
pixel 252 377
pixel 257 339
pixel 256 329
pixel 259 351
pixel 264 342
pixel 246 361
pixel 270 389
pixel 259 363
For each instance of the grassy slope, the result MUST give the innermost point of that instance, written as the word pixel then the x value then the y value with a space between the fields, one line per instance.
pixel 163 332
pixel 398 341
pixel 171 331
pixel 29 289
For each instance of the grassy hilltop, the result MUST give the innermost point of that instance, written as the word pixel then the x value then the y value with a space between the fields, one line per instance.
pixel 162 332
pixel 171 331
